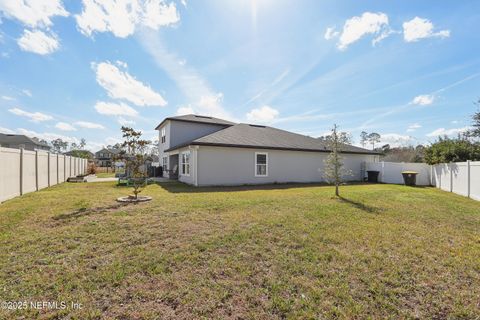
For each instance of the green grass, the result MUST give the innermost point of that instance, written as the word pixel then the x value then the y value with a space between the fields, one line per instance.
pixel 295 252
pixel 105 175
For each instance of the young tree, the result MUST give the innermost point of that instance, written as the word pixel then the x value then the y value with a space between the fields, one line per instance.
pixel 363 138
pixel 334 170
pixel 373 138
pixel 134 155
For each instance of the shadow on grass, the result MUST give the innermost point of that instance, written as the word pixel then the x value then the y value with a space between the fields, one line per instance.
pixel 359 205
pixel 178 187
pixel 88 211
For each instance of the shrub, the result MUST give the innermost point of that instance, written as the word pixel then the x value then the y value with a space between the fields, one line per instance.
pixel 92 168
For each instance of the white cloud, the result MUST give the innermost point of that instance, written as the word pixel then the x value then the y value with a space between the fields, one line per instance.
pixel 38 42
pixel 263 114
pixel 33 116
pixel 331 33
pixel 122 64
pixel 123 17
pixel 447 132
pixel 419 28
pixel 185 110
pixel 6 131
pixel 413 127
pixel 65 126
pixel 33 13
pixel 121 85
pixel 27 92
pixel 89 125
pixel 8 98
pixel 396 140
pixel 125 122
pixel 115 109
pixel 423 100
pixel 46 135
pixel 356 28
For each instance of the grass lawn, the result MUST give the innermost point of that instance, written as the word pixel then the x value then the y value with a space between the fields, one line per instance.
pixel 106 175
pixel 384 251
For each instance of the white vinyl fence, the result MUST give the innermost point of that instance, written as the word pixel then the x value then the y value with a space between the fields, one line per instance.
pixel 23 171
pixel 391 172
pixel 459 177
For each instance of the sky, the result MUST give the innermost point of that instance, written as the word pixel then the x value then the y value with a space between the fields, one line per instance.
pixel 409 70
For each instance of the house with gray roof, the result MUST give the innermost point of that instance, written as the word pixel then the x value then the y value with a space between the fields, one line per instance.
pixel 207 151
pixel 20 141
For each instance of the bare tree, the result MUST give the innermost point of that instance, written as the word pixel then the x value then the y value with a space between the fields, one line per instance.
pixel 334 169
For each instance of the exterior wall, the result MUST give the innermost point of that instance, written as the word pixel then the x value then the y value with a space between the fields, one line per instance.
pixel 179 132
pixel 236 166
pixel 27 171
pixel 182 132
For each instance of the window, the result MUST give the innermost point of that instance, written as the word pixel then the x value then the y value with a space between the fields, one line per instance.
pixel 163 135
pixel 261 164
pixel 164 163
pixel 185 164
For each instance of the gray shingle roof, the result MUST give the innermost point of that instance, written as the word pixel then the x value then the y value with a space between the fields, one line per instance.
pixel 264 137
pixel 198 118
pixel 20 139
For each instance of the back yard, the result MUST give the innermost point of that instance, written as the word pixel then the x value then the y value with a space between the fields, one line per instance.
pixel 384 251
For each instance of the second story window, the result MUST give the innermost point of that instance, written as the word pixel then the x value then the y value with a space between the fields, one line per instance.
pixel 163 135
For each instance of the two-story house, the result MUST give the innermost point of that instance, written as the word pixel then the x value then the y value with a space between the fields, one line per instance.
pixel 104 157
pixel 203 151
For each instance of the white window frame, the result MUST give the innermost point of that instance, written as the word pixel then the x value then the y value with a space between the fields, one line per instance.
pixel 256 164
pixel 187 164
pixel 163 135
pixel 165 162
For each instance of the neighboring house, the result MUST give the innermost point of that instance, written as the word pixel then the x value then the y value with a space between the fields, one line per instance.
pixel 104 157
pixel 18 141
pixel 205 151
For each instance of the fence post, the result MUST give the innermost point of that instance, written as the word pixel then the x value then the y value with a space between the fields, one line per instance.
pixel 36 170
pixel 468 178
pixel 58 171
pixel 48 167
pixel 21 171
pixel 451 176
pixel 64 168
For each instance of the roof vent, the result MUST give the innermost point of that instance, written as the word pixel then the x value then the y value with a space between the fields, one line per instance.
pixel 204 117
pixel 256 126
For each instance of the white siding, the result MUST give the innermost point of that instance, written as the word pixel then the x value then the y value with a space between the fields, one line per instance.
pixel 236 166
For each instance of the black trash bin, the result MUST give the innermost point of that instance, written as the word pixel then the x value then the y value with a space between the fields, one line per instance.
pixel 373 176
pixel 410 178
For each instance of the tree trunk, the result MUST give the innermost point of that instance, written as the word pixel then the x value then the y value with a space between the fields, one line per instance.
pixel 336 190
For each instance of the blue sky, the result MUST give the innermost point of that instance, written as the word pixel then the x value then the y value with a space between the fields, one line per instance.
pixel 409 70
